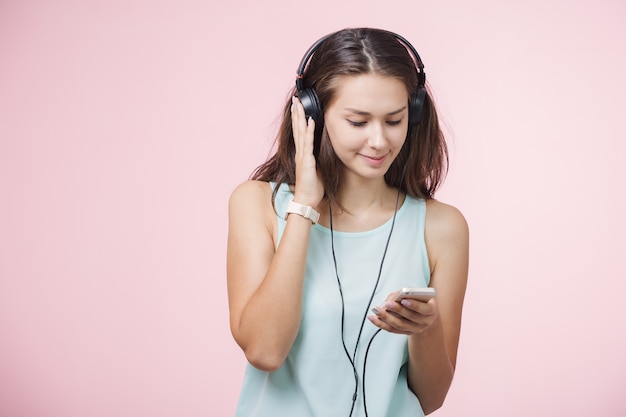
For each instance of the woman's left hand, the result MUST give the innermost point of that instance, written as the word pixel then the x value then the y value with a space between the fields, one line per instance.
pixel 407 316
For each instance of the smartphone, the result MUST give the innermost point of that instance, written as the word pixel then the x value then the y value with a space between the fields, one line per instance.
pixel 421 294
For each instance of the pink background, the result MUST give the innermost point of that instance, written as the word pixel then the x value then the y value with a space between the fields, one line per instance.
pixel 125 124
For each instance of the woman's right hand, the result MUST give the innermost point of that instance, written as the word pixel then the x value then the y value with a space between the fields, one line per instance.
pixel 309 187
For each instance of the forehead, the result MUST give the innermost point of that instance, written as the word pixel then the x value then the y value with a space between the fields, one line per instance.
pixel 369 92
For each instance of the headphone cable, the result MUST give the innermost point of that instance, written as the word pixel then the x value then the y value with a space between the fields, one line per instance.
pixel 352 358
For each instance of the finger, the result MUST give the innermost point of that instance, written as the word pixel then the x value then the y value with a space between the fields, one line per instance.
pixel 303 129
pixel 295 120
pixel 407 320
pixel 298 122
pixel 378 321
pixel 412 307
pixel 310 136
pixel 393 322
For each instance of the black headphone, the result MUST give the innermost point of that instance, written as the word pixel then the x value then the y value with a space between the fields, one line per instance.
pixel 313 107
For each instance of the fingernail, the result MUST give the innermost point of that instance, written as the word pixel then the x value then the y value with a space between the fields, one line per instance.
pixel 388 306
pixel 405 303
pixel 376 310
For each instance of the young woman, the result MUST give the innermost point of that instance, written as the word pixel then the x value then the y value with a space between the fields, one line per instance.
pixel 331 228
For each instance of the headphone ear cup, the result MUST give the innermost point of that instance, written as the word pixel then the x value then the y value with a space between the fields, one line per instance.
pixel 311 103
pixel 313 108
pixel 417 105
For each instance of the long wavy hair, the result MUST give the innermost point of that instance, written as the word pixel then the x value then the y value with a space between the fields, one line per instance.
pixel 355 52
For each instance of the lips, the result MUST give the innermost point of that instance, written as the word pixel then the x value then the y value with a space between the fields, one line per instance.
pixel 375 160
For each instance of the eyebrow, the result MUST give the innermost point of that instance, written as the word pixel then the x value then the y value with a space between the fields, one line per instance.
pixel 364 113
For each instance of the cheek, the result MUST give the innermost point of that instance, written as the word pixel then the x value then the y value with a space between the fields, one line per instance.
pixel 398 137
pixel 343 136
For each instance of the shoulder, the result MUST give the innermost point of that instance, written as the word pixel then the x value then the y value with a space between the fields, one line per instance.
pixel 250 209
pixel 445 228
pixel 251 199
pixel 251 187
pixel 444 218
pixel 251 191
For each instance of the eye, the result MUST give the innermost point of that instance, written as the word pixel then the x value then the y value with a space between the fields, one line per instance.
pixel 356 124
pixel 394 122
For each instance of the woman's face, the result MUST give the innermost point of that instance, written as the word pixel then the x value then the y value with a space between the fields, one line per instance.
pixel 367 122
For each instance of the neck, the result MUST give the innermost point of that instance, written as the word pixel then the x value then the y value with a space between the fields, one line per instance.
pixel 362 197
pixel 362 208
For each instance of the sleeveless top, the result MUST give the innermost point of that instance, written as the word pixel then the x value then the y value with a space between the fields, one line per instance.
pixel 317 378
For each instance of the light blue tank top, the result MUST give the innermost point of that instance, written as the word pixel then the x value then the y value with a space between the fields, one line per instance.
pixel 317 379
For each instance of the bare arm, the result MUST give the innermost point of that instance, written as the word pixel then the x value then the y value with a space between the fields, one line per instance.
pixel 432 353
pixel 265 282
pixel 434 326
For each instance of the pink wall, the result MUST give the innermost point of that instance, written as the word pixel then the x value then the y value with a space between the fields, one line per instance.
pixel 125 124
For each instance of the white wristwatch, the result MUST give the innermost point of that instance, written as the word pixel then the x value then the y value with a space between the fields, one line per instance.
pixel 307 212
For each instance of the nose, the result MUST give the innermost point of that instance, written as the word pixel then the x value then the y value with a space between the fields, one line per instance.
pixel 376 139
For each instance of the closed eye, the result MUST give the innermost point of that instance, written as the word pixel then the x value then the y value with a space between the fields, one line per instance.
pixel 361 124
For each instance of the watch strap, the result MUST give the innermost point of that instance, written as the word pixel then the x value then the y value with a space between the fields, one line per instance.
pixel 307 212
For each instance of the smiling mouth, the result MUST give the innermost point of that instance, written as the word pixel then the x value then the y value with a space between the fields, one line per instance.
pixel 376 160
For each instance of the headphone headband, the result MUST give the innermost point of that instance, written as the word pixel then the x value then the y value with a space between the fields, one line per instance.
pixel 305 60
pixel 419 65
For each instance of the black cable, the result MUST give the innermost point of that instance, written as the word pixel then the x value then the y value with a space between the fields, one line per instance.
pixel 352 358
pixel 343 314
pixel 393 221
pixel 364 367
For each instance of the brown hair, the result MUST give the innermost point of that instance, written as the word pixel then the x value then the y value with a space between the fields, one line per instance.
pixel 353 52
